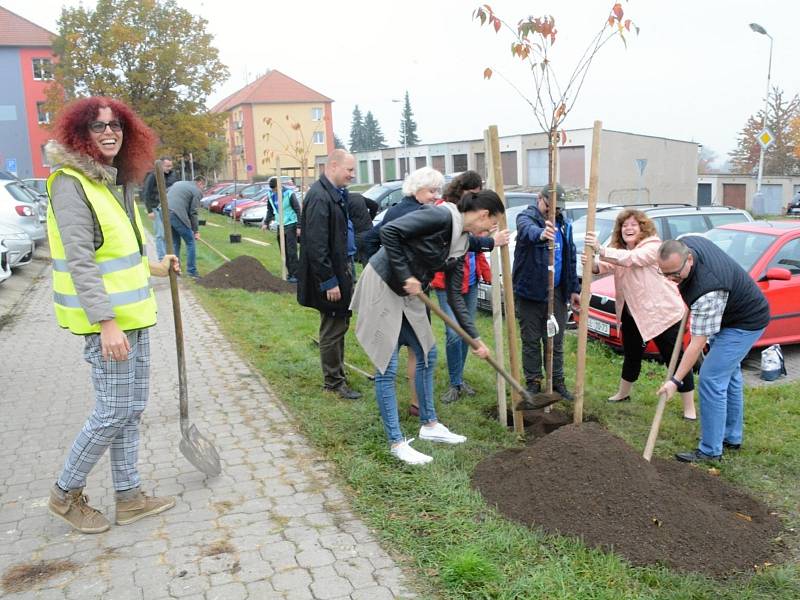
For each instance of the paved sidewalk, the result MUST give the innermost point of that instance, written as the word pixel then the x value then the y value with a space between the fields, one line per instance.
pixel 273 525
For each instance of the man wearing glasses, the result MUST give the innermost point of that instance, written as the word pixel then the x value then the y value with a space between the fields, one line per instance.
pixel 728 311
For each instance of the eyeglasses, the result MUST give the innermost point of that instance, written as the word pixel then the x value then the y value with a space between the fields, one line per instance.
pixel 674 274
pixel 100 126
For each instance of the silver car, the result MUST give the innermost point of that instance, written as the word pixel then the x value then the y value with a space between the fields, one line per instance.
pixel 5 268
pixel 19 244
pixel 17 208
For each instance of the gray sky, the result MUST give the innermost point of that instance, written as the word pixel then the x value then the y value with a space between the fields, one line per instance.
pixel 695 71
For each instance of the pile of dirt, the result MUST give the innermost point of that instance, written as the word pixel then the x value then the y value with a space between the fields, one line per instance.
pixel 247 273
pixel 583 481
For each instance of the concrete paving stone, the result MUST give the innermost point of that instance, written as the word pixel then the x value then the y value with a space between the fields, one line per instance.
pixel 337 540
pixel 190 585
pixel 252 567
pixel 278 550
pixel 230 591
pixel 125 592
pixel 149 548
pixel 189 515
pixel 262 590
pixel 291 580
pixel 11 514
pixel 219 563
pixel 277 490
pixel 299 594
pixel 373 593
pixel 326 589
pixel 357 570
pixel 315 558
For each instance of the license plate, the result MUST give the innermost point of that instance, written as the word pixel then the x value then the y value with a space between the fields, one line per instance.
pixel 598 326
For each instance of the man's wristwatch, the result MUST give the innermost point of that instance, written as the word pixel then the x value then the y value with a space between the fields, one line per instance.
pixel 675 381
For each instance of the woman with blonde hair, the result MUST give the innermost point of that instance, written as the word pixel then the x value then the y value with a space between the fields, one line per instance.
pixel 649 306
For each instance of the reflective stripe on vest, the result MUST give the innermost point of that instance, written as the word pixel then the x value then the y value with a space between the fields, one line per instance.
pixel 125 272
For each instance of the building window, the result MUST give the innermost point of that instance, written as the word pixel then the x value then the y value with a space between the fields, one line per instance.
pixel 319 137
pixel 459 163
pixel 42 68
pixel 43 115
pixel 316 114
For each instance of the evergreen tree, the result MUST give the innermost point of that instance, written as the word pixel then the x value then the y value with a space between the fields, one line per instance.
pixel 357 133
pixel 779 158
pixel 372 133
pixel 337 142
pixel 408 126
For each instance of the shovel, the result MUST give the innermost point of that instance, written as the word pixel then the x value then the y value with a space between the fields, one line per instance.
pixel 529 401
pixel 193 445
pixel 662 399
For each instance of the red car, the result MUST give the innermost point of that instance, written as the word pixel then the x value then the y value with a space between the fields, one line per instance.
pixel 219 204
pixel 768 250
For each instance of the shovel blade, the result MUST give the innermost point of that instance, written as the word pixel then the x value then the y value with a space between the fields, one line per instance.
pixel 538 401
pixel 200 452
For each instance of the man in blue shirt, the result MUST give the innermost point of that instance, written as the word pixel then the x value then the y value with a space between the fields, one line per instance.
pixel 530 275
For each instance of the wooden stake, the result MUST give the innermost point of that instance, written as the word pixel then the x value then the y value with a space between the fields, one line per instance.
pixel 497 303
pixel 279 202
pixel 508 289
pixel 662 399
pixel 586 284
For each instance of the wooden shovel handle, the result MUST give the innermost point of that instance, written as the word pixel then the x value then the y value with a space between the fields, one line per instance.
pixel 662 399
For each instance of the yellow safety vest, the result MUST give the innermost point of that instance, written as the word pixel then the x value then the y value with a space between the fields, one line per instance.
pixel 123 266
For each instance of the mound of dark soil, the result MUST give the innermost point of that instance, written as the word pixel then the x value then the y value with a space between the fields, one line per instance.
pixel 247 273
pixel 583 481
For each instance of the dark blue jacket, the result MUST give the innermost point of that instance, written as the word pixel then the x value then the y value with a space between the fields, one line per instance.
pixel 531 257
pixel 371 241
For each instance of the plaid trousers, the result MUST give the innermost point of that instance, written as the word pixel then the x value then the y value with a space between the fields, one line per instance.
pixel 121 389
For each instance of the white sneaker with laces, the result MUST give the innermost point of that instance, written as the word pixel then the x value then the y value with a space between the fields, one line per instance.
pixel 440 433
pixel 404 452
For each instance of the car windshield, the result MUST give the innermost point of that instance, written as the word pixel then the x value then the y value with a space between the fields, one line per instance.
pixel 602 225
pixel 745 247
pixel 376 191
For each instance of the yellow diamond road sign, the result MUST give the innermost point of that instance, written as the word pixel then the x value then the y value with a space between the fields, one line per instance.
pixel 765 138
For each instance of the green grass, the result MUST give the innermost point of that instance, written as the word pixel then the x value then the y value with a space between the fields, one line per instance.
pixel 438 526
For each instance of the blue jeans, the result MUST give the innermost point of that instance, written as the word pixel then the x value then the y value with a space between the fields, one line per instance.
pixel 181 231
pixel 720 388
pixel 158 233
pixel 385 385
pixel 457 349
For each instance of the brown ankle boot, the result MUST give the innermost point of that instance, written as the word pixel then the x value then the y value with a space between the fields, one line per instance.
pixel 130 511
pixel 73 507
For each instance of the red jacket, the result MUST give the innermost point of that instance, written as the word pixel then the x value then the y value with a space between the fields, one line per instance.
pixel 484 273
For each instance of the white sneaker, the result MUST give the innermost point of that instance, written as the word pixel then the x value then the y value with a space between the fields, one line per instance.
pixel 403 451
pixel 440 433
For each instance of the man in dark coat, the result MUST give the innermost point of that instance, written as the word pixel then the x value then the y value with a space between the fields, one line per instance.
pixel 326 277
pixel 531 274
pixel 152 202
pixel 730 312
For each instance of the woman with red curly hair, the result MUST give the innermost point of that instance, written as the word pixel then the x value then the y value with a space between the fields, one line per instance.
pixel 101 291
pixel 649 307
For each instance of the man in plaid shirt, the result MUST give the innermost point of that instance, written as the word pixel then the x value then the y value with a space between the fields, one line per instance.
pixel 729 312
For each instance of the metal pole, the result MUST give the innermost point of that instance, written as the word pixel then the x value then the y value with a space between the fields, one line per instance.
pixel 766 108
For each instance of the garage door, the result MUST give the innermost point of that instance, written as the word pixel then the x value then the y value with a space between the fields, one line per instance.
pixel 508 160
pixel 733 194
pixel 773 198
pixel 703 194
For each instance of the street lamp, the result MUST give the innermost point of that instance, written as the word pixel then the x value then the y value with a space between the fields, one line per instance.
pixel 405 137
pixel 759 29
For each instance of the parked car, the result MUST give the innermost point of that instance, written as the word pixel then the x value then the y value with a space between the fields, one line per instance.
pixel 385 194
pixel 19 244
pixel 225 190
pixel 37 183
pixel 261 196
pixel 793 208
pixel 249 191
pixel 253 215
pixel 768 250
pixel 5 268
pixel 244 205
pixel 17 208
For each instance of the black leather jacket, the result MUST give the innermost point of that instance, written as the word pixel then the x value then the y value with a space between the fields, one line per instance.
pixel 417 245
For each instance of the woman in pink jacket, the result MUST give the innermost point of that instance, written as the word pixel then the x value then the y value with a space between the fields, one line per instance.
pixel 648 305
